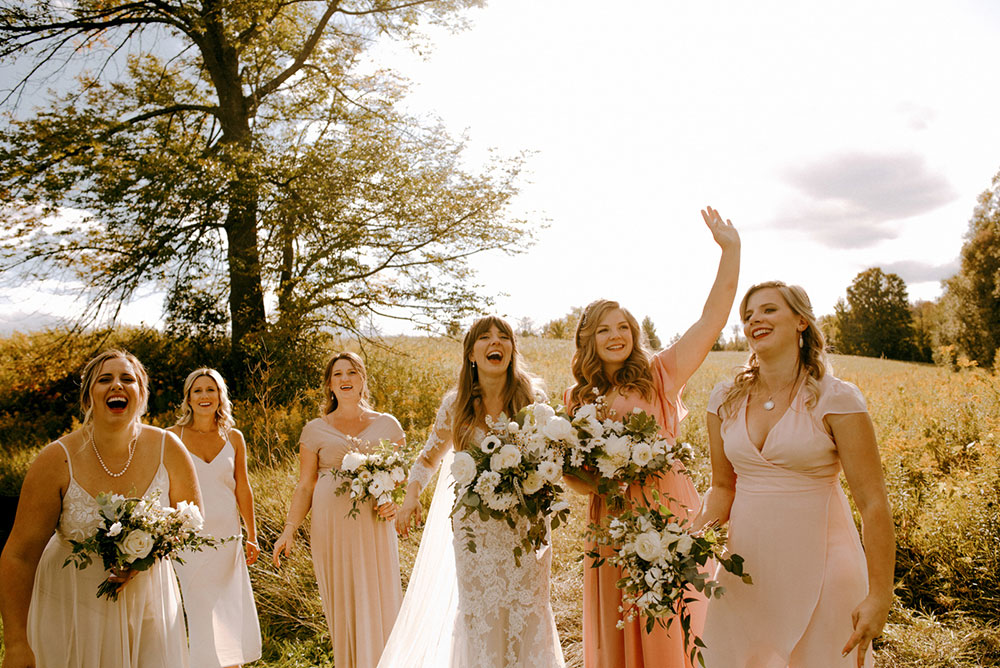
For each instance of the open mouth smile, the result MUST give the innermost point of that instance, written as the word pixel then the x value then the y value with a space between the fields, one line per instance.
pixel 494 356
pixel 117 404
pixel 759 333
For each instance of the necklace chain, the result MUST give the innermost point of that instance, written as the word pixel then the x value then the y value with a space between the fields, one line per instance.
pixel 131 452
pixel 769 404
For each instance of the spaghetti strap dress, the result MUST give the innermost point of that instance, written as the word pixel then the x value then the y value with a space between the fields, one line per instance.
pixel 604 645
pixel 68 625
pixel 222 617
pixel 356 559
pixel 791 522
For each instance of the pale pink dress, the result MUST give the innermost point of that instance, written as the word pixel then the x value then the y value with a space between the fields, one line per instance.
pixel 604 645
pixel 791 522
pixel 356 559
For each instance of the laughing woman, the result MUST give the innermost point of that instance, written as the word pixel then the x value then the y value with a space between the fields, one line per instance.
pixel 218 600
pixel 611 359
pixel 356 559
pixel 66 624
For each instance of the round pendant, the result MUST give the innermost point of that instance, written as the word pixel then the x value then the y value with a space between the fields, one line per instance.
pixel 768 405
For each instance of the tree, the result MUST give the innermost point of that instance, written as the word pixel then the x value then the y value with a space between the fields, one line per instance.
pixel 973 294
pixel 875 320
pixel 244 140
pixel 649 329
pixel 564 327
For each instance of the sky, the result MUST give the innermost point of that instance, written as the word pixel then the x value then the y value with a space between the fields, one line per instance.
pixel 836 137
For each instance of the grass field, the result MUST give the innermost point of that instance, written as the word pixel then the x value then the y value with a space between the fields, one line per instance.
pixel 938 432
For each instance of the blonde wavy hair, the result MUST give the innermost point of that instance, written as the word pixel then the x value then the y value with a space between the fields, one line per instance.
pixel 519 389
pixel 93 369
pixel 588 370
pixel 812 353
pixel 359 366
pixel 224 422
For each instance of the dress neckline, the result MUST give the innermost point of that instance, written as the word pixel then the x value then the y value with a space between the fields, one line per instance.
pixel 352 436
pixel 767 437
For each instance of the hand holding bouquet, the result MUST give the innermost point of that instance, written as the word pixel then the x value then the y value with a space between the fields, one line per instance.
pixel 135 532
pixel 378 476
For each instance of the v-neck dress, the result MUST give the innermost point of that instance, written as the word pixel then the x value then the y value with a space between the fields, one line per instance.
pixel 356 559
pixel 791 522
pixel 68 625
pixel 604 645
pixel 222 618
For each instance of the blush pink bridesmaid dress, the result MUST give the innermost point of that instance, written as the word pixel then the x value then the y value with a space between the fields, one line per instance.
pixel 604 645
pixel 791 522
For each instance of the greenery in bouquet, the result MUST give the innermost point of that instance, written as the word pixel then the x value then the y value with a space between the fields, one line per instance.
pixel 133 533
pixel 663 563
pixel 613 454
pixel 377 476
pixel 516 471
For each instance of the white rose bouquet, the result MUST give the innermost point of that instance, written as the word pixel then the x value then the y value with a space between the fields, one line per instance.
pixel 135 532
pixel 617 453
pixel 516 471
pixel 662 562
pixel 378 476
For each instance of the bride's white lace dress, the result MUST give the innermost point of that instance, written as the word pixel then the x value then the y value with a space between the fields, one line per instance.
pixel 504 613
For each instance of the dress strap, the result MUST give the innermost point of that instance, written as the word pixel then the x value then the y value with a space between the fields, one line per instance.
pixel 163 442
pixel 68 462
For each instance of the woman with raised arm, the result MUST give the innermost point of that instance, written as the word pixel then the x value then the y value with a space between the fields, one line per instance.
pixel 356 558
pixel 504 616
pixel 780 433
pixel 611 359
pixel 52 615
pixel 222 617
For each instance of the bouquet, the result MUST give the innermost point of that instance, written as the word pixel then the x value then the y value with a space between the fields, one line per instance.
pixel 378 476
pixel 619 453
pixel 661 562
pixel 134 533
pixel 516 472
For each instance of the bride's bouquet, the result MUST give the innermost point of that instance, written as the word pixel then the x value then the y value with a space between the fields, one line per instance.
pixel 617 453
pixel 662 562
pixel 134 533
pixel 378 476
pixel 516 471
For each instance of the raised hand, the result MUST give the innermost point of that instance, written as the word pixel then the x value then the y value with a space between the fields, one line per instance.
pixel 722 230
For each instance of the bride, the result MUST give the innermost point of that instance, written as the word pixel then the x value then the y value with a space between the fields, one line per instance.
pixel 500 614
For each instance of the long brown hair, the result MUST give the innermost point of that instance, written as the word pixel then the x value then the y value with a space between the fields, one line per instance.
pixel 93 368
pixel 518 388
pixel 812 353
pixel 588 370
pixel 359 366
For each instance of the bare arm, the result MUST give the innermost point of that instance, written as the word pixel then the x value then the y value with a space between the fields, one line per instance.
pixel 244 494
pixel 301 502
pixel 183 476
pixel 855 438
pixel 694 345
pixel 719 497
pixel 38 513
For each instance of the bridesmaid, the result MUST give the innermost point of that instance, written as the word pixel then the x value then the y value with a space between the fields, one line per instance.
pixel 51 613
pixel 356 559
pixel 611 358
pixel 222 618
pixel 780 433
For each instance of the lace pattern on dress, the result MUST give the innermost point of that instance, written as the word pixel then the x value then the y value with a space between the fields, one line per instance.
pixel 437 443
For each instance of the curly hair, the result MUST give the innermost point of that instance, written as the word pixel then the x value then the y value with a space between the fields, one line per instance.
pixel 518 389
pixel 223 414
pixel 93 369
pixel 588 370
pixel 812 353
pixel 359 366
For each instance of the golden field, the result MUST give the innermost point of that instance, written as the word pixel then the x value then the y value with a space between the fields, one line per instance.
pixel 938 432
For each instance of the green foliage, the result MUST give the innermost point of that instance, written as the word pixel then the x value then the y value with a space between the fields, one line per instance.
pixel 649 331
pixel 875 321
pixel 564 327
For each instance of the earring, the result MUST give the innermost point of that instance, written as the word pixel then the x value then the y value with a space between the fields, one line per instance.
pixel 473 363
pixel 800 340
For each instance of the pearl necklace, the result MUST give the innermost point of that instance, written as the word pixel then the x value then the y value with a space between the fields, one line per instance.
pixel 131 452
pixel 769 404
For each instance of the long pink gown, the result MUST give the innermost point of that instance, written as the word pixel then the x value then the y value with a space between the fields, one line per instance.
pixel 791 522
pixel 604 645
pixel 356 559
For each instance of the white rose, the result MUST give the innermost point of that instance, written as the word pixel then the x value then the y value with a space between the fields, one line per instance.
pixel 684 544
pixel 648 546
pixel 383 482
pixel 137 545
pixel 115 529
pixel 490 443
pixel 659 447
pixel 607 467
pixel 543 413
pixel 513 427
pixel 506 457
pixel 532 482
pixel 351 461
pixel 550 471
pixel 617 446
pixel 190 516
pixel 559 429
pixel 487 483
pixel 642 454
pixel 586 413
pixel 463 468
pixel 398 474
